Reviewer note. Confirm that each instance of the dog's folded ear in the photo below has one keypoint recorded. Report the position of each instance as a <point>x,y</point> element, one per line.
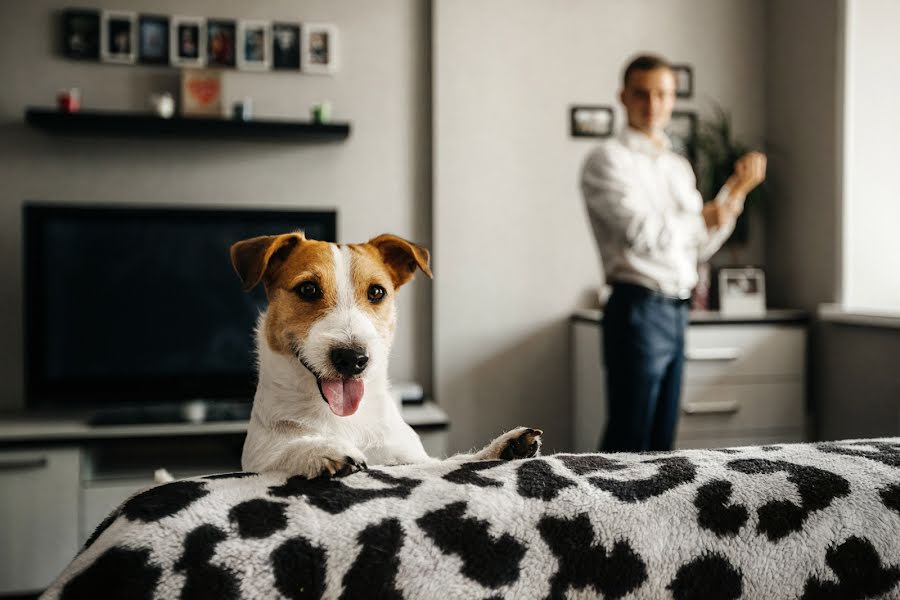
<point>401,257</point>
<point>255,257</point>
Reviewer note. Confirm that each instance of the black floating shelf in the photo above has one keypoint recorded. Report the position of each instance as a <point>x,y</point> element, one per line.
<point>145,124</point>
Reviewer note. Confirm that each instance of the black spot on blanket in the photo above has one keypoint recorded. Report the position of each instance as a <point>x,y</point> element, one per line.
<point>726,450</point>
<point>164,500</point>
<point>859,571</point>
<point>466,473</point>
<point>706,577</point>
<point>714,512</point>
<point>237,475</point>
<point>258,518</point>
<point>817,488</point>
<point>770,448</point>
<point>583,563</point>
<point>373,573</point>
<point>582,464</point>
<point>535,479</point>
<point>334,496</point>
<point>890,495</point>
<point>117,573</point>
<point>299,569</point>
<point>203,579</point>
<point>489,560</point>
<point>884,452</point>
<point>673,472</point>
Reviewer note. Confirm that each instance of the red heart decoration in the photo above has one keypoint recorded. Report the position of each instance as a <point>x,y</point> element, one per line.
<point>203,90</point>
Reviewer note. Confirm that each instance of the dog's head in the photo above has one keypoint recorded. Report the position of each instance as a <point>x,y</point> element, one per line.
<point>331,306</point>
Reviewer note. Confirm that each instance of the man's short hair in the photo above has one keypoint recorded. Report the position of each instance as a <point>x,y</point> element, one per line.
<point>644,62</point>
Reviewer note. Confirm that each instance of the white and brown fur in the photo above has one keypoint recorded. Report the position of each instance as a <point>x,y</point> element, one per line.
<point>292,428</point>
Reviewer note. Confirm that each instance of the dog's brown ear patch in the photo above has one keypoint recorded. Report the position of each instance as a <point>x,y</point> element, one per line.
<point>253,258</point>
<point>401,257</point>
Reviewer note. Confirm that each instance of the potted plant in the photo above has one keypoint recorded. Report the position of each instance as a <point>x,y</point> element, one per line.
<point>717,151</point>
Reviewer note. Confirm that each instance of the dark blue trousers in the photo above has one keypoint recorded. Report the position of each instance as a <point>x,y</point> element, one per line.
<point>643,351</point>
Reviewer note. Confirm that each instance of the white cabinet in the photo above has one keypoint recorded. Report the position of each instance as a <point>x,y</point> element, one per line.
<point>38,516</point>
<point>744,381</point>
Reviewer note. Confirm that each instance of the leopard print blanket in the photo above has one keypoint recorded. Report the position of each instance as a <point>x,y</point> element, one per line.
<point>792,521</point>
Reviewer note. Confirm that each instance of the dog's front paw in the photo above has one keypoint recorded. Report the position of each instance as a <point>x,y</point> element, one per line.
<point>327,462</point>
<point>521,442</point>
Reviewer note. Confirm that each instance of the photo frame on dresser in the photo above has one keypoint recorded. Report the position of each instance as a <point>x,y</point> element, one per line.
<point>742,291</point>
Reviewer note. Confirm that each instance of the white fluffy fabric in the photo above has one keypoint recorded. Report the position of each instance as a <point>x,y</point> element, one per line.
<point>789,521</point>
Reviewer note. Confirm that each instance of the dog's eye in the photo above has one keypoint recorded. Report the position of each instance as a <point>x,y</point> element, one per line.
<point>376,293</point>
<point>308,290</point>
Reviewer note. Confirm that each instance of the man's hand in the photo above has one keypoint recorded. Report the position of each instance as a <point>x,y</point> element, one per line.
<point>749,172</point>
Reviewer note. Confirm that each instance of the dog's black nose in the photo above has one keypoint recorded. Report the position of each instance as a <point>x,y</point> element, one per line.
<point>349,361</point>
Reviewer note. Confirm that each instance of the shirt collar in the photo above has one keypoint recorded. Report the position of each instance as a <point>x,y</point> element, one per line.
<point>641,142</point>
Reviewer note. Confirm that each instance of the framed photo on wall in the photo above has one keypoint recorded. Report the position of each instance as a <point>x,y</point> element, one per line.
<point>682,131</point>
<point>153,40</point>
<point>319,49</point>
<point>118,36</point>
<point>187,42</point>
<point>81,34</point>
<point>254,45</point>
<point>286,46</point>
<point>221,36</point>
<point>684,81</point>
<point>591,121</point>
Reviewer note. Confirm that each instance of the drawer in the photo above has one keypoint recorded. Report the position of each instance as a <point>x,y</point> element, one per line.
<point>740,352</point>
<point>722,410</point>
<point>38,516</point>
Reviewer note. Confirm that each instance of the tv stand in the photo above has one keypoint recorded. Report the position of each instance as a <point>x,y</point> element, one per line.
<point>192,411</point>
<point>59,477</point>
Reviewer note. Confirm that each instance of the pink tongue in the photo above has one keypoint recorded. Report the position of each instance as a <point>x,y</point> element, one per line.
<point>343,395</point>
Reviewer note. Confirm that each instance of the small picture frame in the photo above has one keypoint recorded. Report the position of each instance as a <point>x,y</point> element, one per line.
<point>684,81</point>
<point>254,45</point>
<point>286,46</point>
<point>319,49</point>
<point>118,36</point>
<point>742,291</point>
<point>591,121</point>
<point>153,40</point>
<point>201,93</point>
<point>81,34</point>
<point>682,132</point>
<point>187,42</point>
<point>221,42</point>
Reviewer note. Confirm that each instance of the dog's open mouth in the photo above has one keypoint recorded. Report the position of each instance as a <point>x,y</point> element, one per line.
<point>343,395</point>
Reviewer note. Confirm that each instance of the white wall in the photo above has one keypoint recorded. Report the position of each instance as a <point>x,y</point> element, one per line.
<point>514,254</point>
<point>378,179</point>
<point>871,211</point>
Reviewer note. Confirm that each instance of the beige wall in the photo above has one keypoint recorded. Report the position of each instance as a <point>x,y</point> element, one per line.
<point>378,179</point>
<point>513,249</point>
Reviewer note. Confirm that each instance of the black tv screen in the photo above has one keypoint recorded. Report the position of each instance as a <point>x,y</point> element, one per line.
<point>128,305</point>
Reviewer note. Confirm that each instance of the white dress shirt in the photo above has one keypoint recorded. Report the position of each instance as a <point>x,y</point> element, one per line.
<point>644,207</point>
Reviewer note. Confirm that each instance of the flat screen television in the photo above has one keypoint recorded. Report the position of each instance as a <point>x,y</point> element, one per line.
<point>136,305</point>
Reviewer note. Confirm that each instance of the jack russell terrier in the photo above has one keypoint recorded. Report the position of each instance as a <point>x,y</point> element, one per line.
<point>323,404</point>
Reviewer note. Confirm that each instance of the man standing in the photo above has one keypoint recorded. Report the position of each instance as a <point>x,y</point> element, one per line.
<point>652,229</point>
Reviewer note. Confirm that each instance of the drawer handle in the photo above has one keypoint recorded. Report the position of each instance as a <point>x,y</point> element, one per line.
<point>712,408</point>
<point>23,464</point>
<point>712,354</point>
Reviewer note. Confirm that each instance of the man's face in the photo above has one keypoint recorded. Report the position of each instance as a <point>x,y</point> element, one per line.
<point>648,97</point>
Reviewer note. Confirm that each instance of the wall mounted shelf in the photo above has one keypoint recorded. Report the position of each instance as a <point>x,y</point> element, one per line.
<point>146,124</point>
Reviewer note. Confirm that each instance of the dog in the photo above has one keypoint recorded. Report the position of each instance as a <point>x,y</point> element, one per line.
<point>323,405</point>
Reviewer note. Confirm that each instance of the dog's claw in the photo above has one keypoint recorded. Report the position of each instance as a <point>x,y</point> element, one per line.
<point>526,445</point>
